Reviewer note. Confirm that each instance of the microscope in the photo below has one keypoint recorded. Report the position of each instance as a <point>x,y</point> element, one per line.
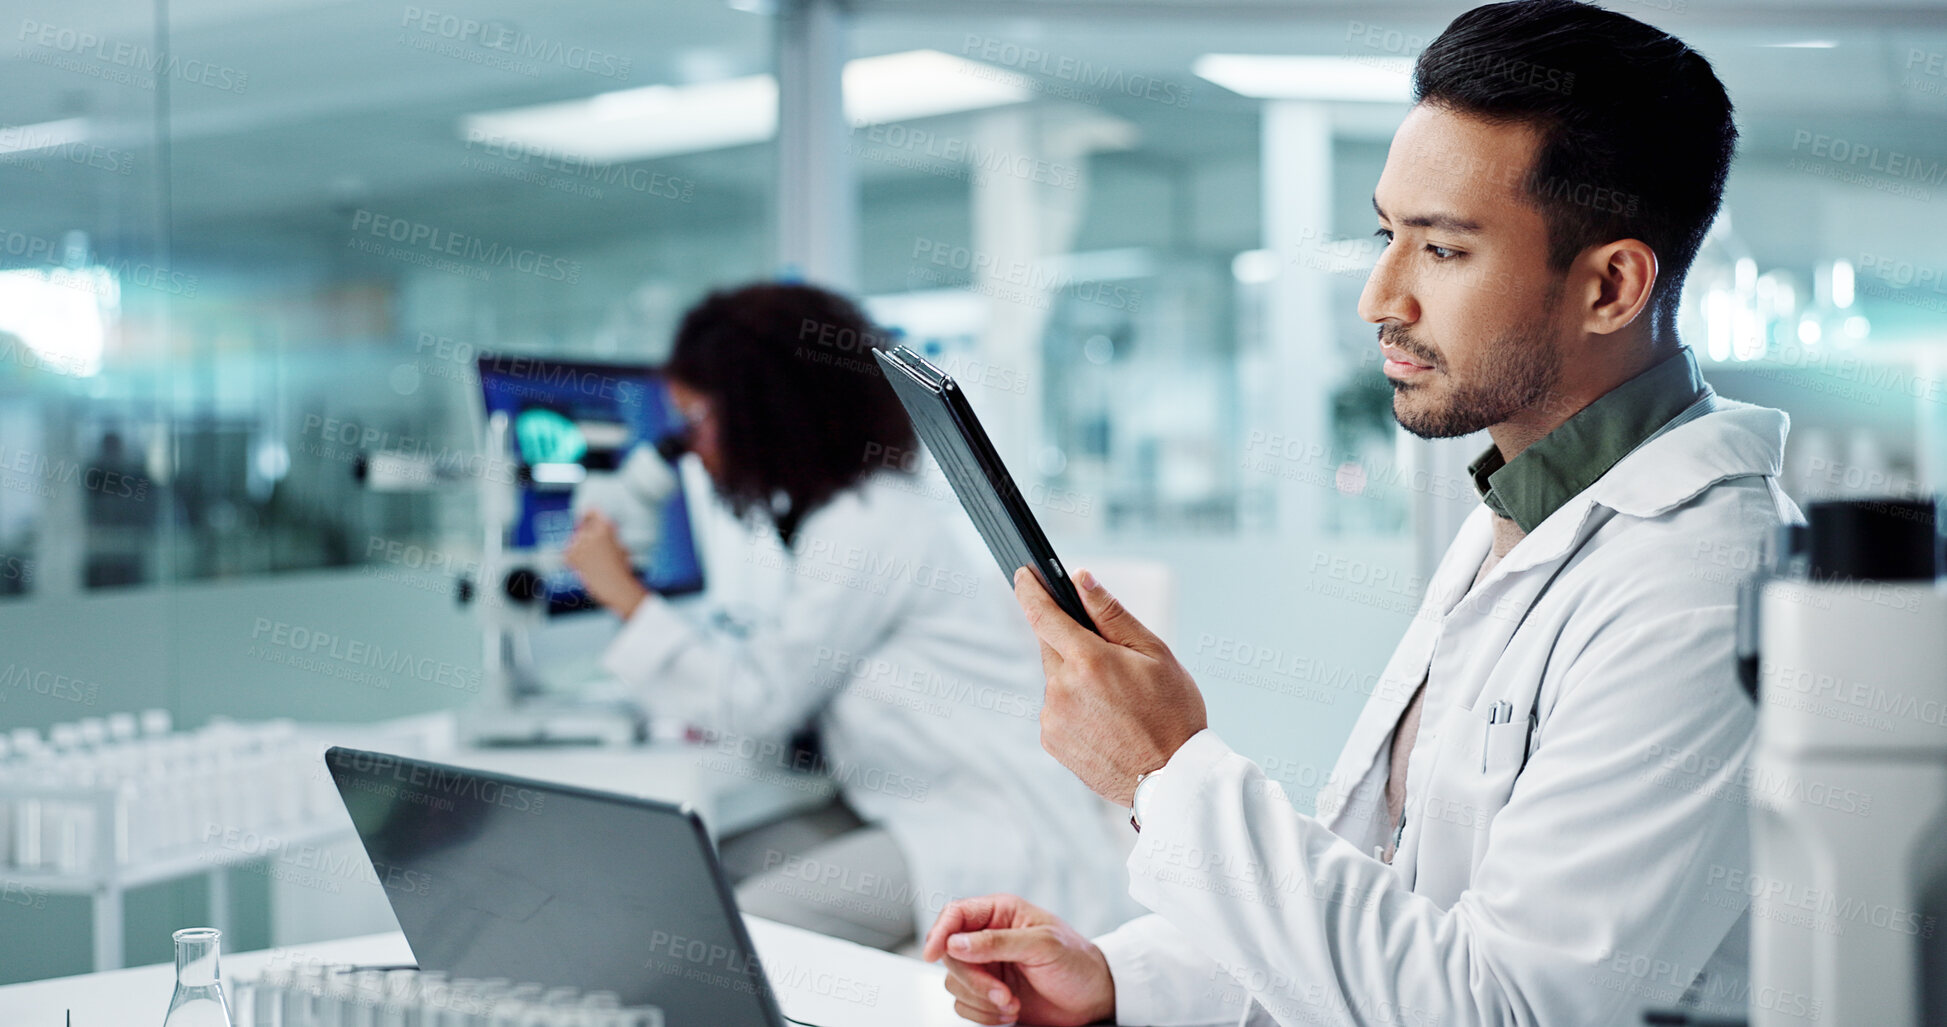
<point>562,438</point>
<point>1844,647</point>
<point>521,588</point>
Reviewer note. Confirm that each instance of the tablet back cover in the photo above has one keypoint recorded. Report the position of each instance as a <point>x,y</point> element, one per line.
<point>946,423</point>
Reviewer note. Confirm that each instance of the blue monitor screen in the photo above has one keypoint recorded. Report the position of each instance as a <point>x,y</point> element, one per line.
<point>568,414</point>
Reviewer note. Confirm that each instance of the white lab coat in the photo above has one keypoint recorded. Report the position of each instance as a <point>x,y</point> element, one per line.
<point>892,626</point>
<point>1605,877</point>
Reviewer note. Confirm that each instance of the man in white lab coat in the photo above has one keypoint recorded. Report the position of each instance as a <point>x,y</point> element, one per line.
<point>1539,816</point>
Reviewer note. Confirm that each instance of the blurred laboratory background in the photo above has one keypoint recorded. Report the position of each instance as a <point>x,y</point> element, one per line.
<point>250,251</point>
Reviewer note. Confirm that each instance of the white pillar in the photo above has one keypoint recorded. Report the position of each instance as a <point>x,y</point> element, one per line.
<point>1008,234</point>
<point>1297,174</point>
<point>1930,451</point>
<point>61,557</point>
<point>817,192</point>
<point>1023,232</point>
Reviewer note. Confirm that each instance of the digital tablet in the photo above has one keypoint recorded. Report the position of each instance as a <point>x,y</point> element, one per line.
<point>945,421</point>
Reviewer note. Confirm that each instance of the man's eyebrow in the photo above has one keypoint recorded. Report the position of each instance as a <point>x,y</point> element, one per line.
<point>1440,222</point>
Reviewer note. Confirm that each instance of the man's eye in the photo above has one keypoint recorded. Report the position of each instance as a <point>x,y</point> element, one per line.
<point>1384,233</point>
<point>1441,252</point>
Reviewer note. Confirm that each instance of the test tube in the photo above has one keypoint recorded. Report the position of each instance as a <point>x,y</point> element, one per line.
<point>469,1005</point>
<point>492,992</point>
<point>267,998</point>
<point>599,1009</point>
<point>304,1000</point>
<point>430,996</point>
<point>522,1004</point>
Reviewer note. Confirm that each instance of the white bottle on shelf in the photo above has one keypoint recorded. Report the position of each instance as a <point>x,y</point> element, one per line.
<point>31,770</point>
<point>7,771</point>
<point>155,723</point>
<point>68,831</point>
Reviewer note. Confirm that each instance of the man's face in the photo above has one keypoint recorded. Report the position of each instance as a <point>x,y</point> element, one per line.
<point>1466,305</point>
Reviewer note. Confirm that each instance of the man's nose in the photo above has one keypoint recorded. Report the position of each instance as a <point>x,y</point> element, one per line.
<point>1387,296</point>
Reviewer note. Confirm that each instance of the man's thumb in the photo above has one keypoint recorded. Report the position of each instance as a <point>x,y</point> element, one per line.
<point>1112,618</point>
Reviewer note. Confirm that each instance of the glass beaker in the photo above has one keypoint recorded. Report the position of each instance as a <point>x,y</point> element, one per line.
<point>199,1000</point>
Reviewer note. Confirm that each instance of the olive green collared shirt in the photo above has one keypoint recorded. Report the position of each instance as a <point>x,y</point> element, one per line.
<point>1569,459</point>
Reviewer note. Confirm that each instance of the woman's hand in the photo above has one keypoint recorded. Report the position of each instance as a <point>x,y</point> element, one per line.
<point>597,555</point>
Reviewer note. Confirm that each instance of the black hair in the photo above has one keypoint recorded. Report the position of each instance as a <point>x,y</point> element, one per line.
<point>1635,129</point>
<point>802,408</point>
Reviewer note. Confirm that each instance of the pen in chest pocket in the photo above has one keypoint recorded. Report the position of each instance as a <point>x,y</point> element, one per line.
<point>1500,713</point>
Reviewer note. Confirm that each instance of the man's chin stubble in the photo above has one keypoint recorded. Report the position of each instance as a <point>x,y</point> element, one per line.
<point>1415,424</point>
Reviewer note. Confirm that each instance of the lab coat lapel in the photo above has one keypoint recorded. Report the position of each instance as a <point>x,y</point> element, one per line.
<point>1487,617</point>
<point>1404,671</point>
<point>1474,638</point>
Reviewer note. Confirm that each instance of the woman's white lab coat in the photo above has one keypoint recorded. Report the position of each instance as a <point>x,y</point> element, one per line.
<point>1603,872</point>
<point>890,625</point>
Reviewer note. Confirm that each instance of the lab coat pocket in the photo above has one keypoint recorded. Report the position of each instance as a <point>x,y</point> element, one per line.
<point>1503,748</point>
<point>1458,814</point>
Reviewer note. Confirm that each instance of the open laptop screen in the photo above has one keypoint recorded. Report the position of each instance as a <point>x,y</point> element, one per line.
<point>497,876</point>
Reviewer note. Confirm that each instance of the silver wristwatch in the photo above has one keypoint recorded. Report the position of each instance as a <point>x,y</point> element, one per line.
<point>1136,799</point>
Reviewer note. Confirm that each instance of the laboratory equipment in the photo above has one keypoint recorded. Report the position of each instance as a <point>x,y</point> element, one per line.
<point>97,808</point>
<point>1848,785</point>
<point>306,993</point>
<point>199,1000</point>
<point>562,439</point>
<point>96,794</point>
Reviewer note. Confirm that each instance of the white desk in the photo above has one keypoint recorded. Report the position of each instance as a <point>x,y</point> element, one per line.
<point>895,991</point>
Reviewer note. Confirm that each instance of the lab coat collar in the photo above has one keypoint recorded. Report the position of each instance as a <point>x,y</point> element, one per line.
<point>1713,441</point>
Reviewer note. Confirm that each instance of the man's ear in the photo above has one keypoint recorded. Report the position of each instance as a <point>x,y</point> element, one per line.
<point>1619,277</point>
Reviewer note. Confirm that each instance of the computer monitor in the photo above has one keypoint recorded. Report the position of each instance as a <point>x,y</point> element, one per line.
<point>568,419</point>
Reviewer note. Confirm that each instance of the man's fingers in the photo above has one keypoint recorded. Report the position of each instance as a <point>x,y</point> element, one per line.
<point>978,988</point>
<point>959,915</point>
<point>976,982</point>
<point>967,1012</point>
<point>1049,623</point>
<point>1013,945</point>
<point>1114,620</point>
<point>1050,660</point>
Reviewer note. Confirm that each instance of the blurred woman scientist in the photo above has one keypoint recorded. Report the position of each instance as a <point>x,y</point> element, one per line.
<point>892,634</point>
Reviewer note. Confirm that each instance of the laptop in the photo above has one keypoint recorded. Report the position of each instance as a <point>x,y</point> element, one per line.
<point>499,876</point>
